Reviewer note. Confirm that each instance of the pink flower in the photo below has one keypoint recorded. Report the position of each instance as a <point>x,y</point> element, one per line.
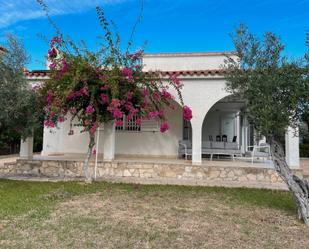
<point>103,98</point>
<point>94,152</point>
<point>164,127</point>
<point>93,128</point>
<point>49,123</point>
<point>127,72</point>
<point>136,55</point>
<point>138,121</point>
<point>118,123</point>
<point>52,53</point>
<point>115,103</point>
<point>117,113</point>
<point>89,109</point>
<point>65,66</point>
<point>166,94</point>
<point>152,115</point>
<point>50,97</point>
<point>84,91</point>
<point>156,96</point>
<point>175,80</point>
<point>187,113</point>
<point>52,114</point>
<point>61,119</point>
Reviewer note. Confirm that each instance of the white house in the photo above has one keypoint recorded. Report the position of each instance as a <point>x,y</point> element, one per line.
<point>215,113</point>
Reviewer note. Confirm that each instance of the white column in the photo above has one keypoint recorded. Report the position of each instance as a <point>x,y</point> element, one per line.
<point>26,148</point>
<point>196,141</point>
<point>109,141</point>
<point>292,147</point>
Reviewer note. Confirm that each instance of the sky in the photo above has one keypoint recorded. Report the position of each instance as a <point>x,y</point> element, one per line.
<point>166,25</point>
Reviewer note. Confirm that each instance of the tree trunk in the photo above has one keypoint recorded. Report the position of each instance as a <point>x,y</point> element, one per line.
<point>87,159</point>
<point>298,187</point>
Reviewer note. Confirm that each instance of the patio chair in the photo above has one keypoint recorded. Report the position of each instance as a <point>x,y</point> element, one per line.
<point>218,138</point>
<point>234,139</point>
<point>260,151</point>
<point>224,138</point>
<point>185,148</point>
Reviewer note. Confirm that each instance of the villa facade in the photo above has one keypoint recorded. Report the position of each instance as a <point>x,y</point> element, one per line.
<point>216,113</point>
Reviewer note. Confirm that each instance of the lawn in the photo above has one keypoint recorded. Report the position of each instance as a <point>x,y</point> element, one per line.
<point>105,215</point>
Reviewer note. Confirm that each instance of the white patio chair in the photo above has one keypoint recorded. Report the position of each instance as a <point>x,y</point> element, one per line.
<point>260,151</point>
<point>185,148</point>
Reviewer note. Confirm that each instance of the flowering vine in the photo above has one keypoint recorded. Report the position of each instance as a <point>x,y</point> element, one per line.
<point>94,88</point>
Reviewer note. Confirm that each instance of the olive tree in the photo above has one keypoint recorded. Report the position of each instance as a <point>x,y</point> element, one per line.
<point>18,109</point>
<point>276,91</point>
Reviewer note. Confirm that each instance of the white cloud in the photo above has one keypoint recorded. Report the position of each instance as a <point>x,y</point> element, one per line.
<point>12,12</point>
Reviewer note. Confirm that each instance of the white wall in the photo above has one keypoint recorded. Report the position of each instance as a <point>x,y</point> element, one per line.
<point>127,142</point>
<point>184,61</point>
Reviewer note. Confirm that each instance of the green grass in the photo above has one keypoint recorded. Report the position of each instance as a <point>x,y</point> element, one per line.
<point>20,197</point>
<point>106,215</point>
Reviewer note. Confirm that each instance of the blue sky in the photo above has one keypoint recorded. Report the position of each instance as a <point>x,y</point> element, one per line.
<point>167,25</point>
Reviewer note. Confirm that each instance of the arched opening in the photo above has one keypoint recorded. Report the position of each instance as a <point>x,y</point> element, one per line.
<point>225,129</point>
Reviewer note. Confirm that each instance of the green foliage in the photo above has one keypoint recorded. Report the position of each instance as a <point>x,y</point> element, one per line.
<point>18,110</point>
<point>275,88</point>
<point>304,150</point>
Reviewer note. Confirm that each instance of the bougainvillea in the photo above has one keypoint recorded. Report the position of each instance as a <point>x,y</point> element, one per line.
<point>94,88</point>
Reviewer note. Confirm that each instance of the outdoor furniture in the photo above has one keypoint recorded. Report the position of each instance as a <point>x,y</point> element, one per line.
<point>260,151</point>
<point>234,139</point>
<point>224,138</point>
<point>218,138</point>
<point>210,138</point>
<point>185,148</point>
<point>209,148</point>
<point>220,148</point>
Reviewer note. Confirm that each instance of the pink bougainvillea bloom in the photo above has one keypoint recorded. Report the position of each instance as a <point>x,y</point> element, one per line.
<point>187,113</point>
<point>65,66</point>
<point>164,127</point>
<point>117,113</point>
<point>94,152</point>
<point>49,123</point>
<point>157,97</point>
<point>89,109</point>
<point>87,122</point>
<point>118,123</point>
<point>152,115</point>
<point>166,94</point>
<point>176,81</point>
<point>138,121</point>
<point>115,103</point>
<point>50,97</point>
<point>127,72</point>
<point>103,98</point>
<point>61,119</point>
<point>84,91</point>
<point>93,128</point>
<point>52,114</point>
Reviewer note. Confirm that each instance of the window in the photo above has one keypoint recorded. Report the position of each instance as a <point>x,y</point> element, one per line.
<point>130,125</point>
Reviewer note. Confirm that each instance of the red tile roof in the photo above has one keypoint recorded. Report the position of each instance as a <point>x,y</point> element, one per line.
<point>211,72</point>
